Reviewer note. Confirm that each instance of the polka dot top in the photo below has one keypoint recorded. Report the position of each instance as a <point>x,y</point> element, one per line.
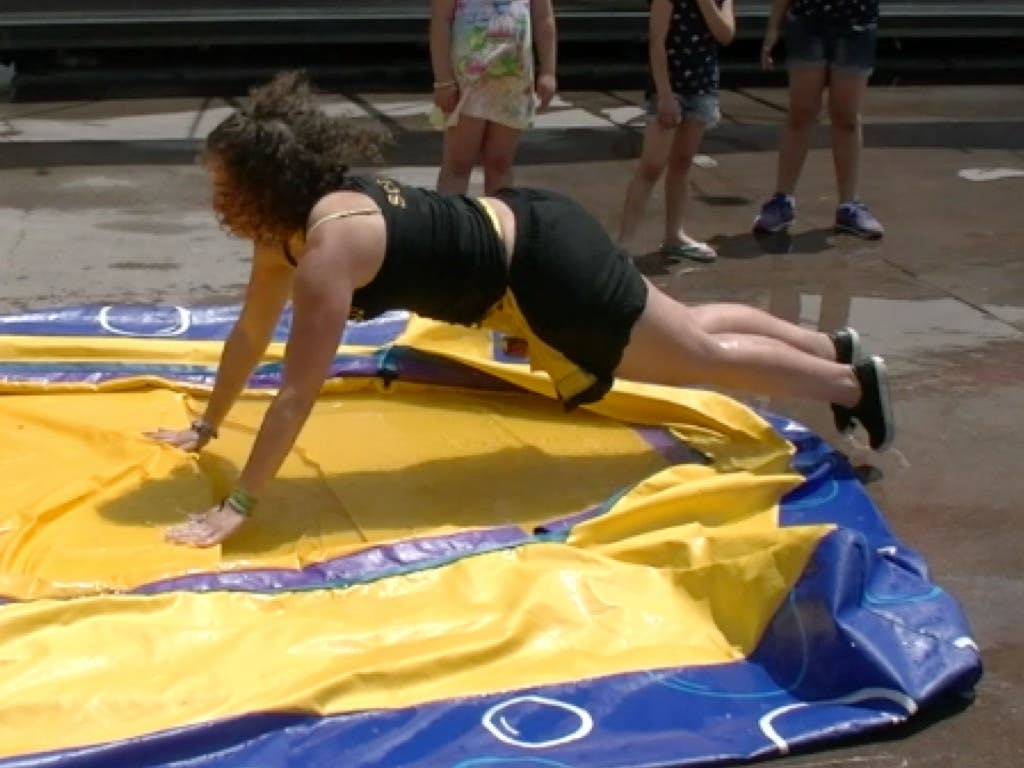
<point>692,52</point>
<point>841,11</point>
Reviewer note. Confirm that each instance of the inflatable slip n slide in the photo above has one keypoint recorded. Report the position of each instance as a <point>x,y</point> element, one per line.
<point>449,571</point>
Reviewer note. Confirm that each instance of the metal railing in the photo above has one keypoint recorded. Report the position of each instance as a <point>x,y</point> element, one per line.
<point>40,24</point>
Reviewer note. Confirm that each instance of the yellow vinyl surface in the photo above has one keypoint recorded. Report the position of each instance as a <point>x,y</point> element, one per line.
<point>686,566</point>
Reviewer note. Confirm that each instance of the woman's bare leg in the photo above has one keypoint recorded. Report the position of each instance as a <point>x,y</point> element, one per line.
<point>743,319</point>
<point>653,157</point>
<point>669,346</point>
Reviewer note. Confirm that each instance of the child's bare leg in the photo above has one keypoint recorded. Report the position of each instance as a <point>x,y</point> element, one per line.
<point>806,86</point>
<point>498,155</point>
<point>461,149</point>
<point>685,143</point>
<point>845,96</point>
<point>653,157</point>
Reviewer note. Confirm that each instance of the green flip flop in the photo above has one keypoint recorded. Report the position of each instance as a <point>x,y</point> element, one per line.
<point>695,251</point>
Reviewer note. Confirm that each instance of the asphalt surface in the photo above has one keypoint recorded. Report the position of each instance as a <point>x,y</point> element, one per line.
<point>102,201</point>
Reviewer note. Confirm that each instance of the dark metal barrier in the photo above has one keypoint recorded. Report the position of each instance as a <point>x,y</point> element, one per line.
<point>108,48</point>
<point>49,24</point>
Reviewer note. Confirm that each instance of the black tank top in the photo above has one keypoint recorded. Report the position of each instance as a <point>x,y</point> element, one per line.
<point>443,259</point>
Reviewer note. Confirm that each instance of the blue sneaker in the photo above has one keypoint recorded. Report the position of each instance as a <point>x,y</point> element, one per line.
<point>777,214</point>
<point>856,219</point>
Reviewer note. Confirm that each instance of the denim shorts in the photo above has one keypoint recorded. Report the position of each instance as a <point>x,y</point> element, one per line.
<point>702,107</point>
<point>812,43</point>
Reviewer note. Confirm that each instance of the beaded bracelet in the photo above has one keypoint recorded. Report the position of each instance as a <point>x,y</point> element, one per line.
<point>241,502</point>
<point>444,84</point>
<point>205,429</point>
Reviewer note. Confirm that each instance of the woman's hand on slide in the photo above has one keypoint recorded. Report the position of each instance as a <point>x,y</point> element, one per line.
<point>186,439</point>
<point>206,529</point>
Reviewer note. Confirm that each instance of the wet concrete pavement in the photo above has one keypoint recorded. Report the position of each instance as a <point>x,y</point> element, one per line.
<point>102,202</point>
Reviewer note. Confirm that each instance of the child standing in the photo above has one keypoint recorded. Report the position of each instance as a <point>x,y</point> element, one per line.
<point>830,44</point>
<point>482,52</point>
<point>682,104</point>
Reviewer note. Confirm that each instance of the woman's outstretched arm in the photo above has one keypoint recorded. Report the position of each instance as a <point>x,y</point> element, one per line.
<point>322,299</point>
<point>270,283</point>
<point>338,258</point>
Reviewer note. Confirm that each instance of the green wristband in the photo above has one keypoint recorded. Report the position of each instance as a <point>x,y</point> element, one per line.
<point>241,502</point>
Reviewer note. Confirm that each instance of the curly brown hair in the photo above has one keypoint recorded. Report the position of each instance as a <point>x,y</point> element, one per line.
<point>278,155</point>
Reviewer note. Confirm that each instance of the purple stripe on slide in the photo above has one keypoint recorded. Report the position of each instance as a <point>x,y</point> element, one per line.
<point>563,525</point>
<point>353,367</point>
<point>672,449</point>
<point>267,377</point>
<point>424,369</point>
<point>99,377</point>
<point>364,566</point>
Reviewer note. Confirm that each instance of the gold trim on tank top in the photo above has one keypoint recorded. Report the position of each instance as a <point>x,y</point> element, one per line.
<point>341,215</point>
<point>493,216</point>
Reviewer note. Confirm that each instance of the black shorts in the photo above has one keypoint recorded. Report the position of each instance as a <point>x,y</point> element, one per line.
<point>577,290</point>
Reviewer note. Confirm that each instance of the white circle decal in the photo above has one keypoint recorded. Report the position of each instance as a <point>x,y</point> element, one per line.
<point>495,721</point>
<point>178,328</point>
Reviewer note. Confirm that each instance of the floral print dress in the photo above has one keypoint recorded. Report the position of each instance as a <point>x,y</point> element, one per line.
<point>492,55</point>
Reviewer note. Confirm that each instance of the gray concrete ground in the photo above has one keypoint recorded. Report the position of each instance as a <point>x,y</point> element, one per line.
<point>103,202</point>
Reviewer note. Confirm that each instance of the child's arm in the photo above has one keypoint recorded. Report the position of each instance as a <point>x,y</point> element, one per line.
<point>657,32</point>
<point>720,18</point>
<point>545,41</point>
<point>446,89</point>
<point>771,31</point>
